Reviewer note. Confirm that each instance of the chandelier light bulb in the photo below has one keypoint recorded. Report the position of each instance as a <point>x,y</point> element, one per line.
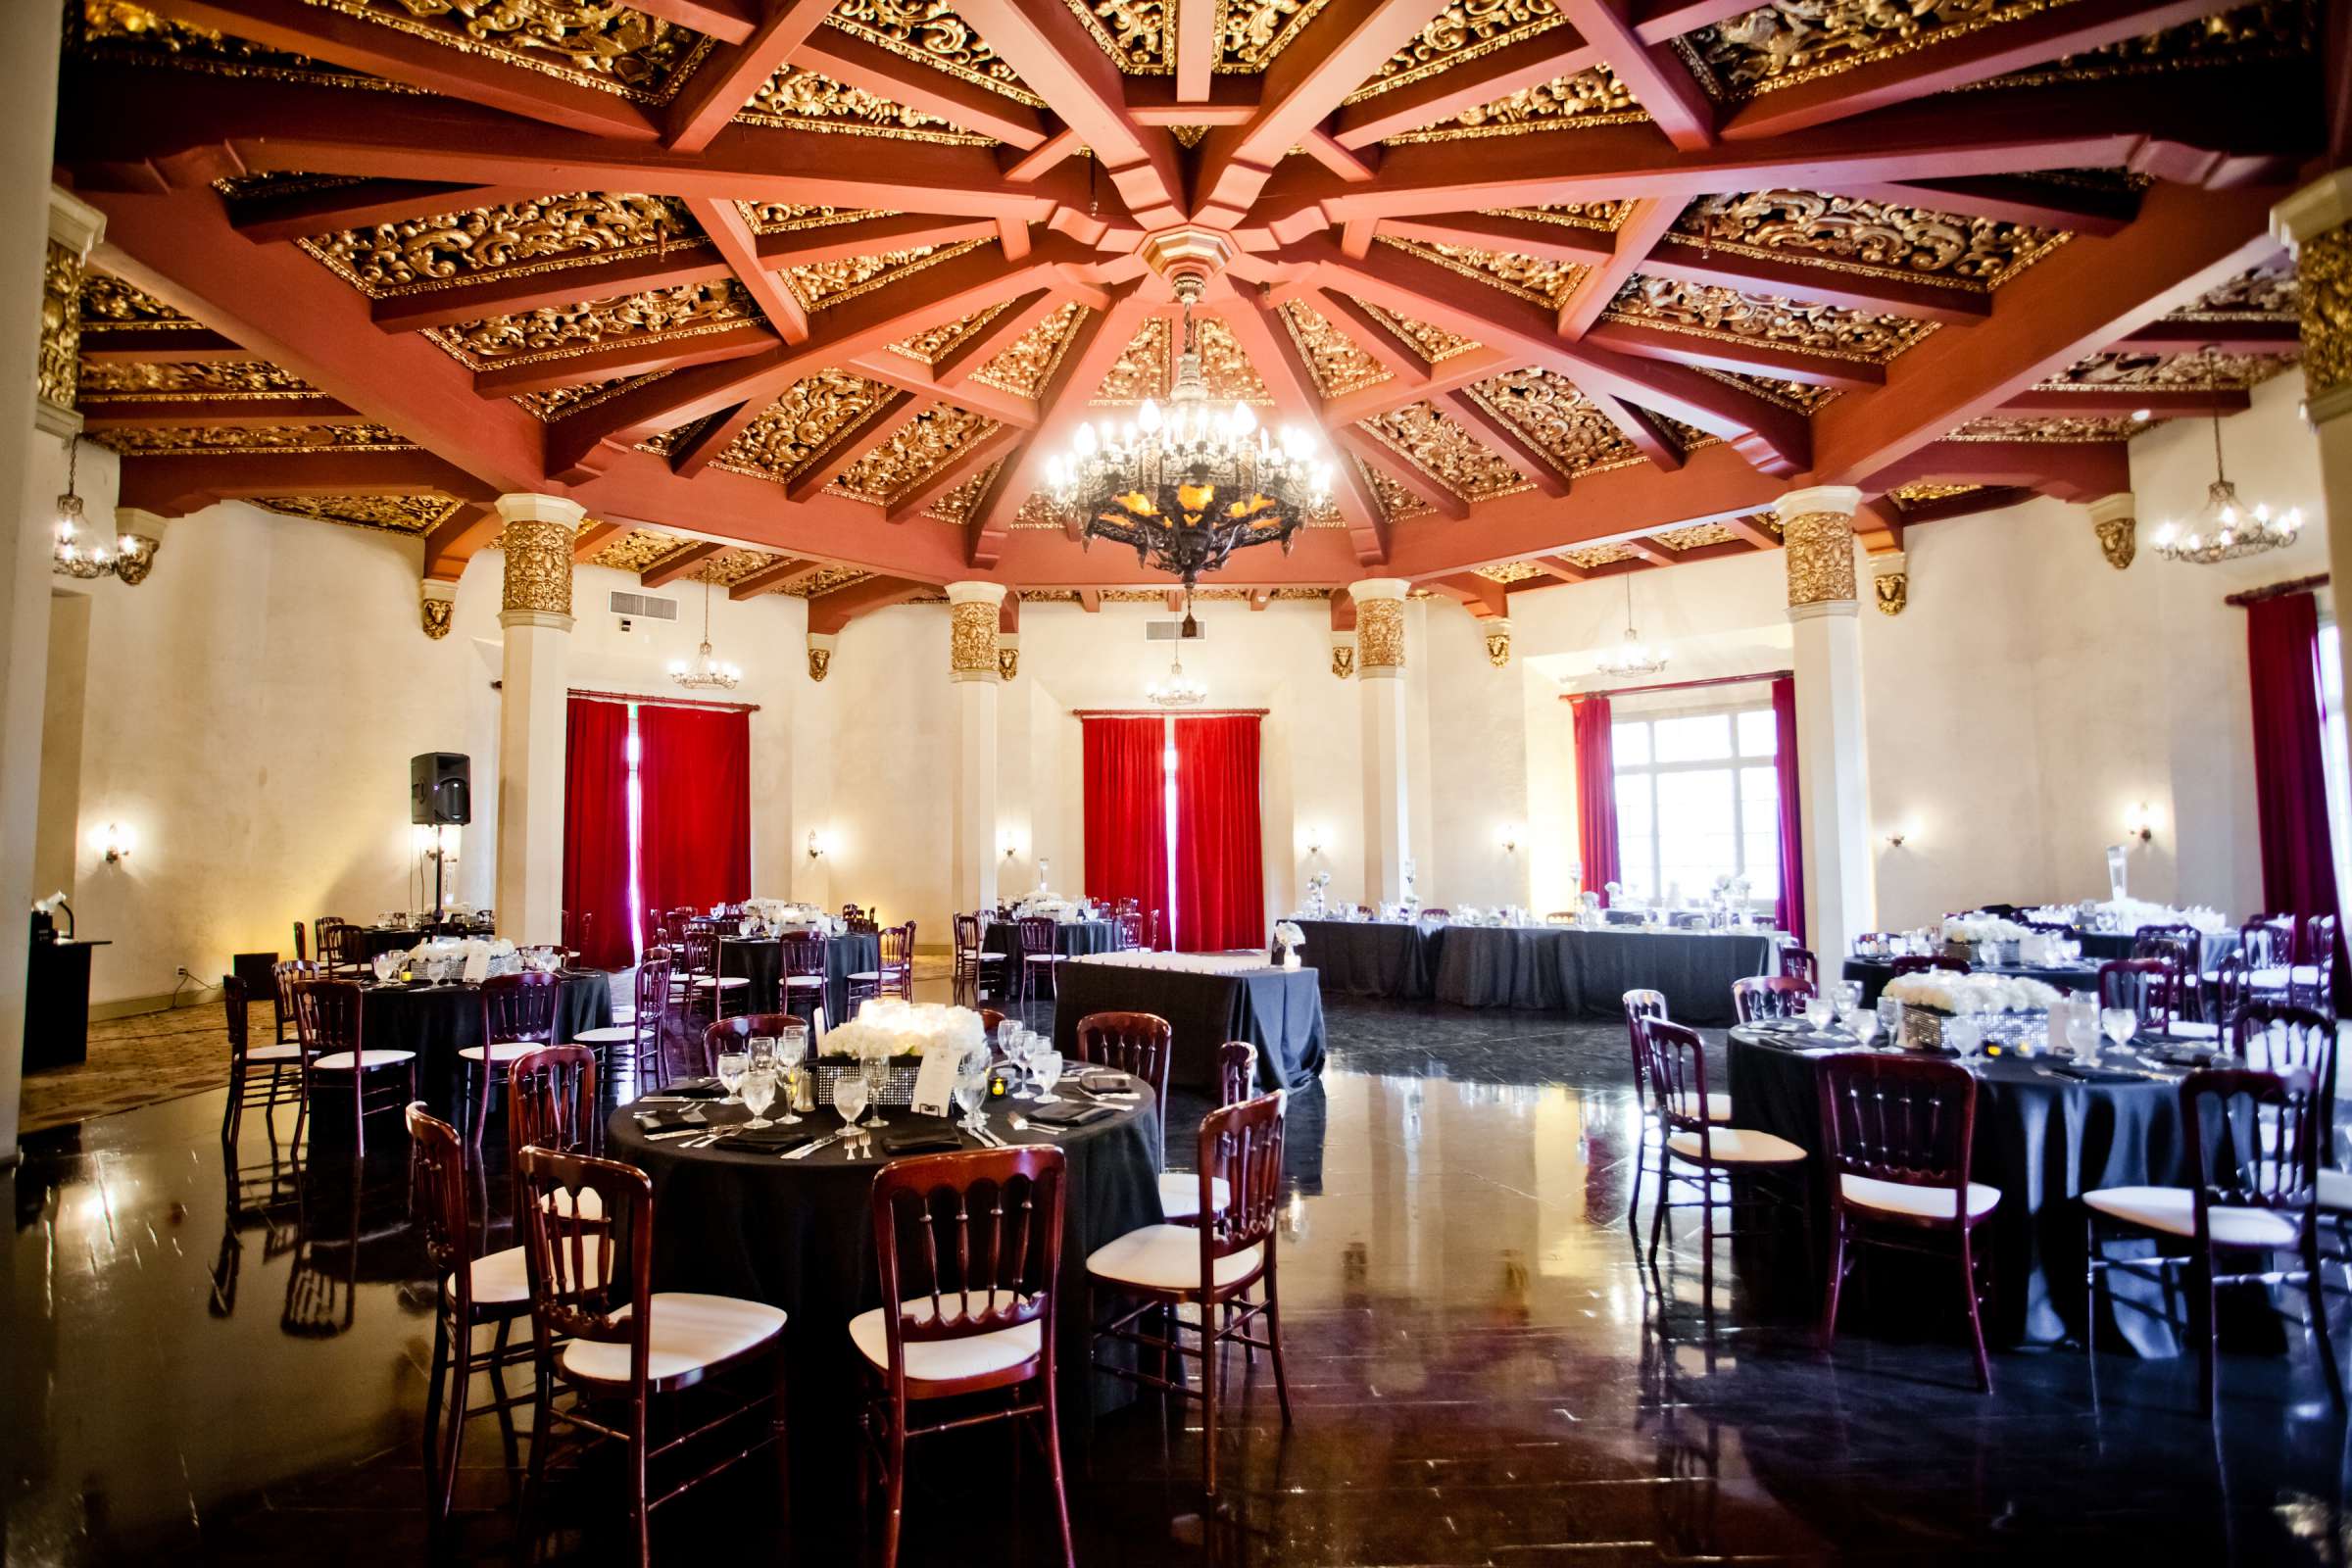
<point>1146,417</point>
<point>1086,440</point>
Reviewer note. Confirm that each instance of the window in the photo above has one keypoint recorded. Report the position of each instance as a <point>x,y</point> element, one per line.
<point>1697,798</point>
<point>2332,748</point>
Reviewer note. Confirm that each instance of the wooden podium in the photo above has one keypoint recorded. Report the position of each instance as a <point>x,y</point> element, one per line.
<point>57,1004</point>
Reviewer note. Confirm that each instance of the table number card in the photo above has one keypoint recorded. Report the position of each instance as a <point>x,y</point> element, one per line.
<point>478,966</point>
<point>934,1082</point>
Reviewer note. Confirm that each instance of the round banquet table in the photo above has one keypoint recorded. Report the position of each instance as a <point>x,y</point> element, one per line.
<point>760,960</point>
<point>1075,939</point>
<point>2105,944</point>
<point>437,1022</point>
<point>1873,973</point>
<point>2042,1138</point>
<point>799,1234</point>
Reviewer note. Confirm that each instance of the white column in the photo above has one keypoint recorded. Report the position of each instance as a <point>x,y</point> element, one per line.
<point>533,697</point>
<point>1380,671</point>
<point>2315,224</point>
<point>1833,776</point>
<point>973,609</point>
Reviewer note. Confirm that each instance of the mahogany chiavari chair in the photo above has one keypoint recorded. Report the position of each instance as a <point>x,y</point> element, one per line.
<point>636,1047</point>
<point>2229,989</point>
<point>1130,930</point>
<point>2254,1148</point>
<point>730,1034</point>
<point>1896,1137</point>
<point>1642,1006</point>
<point>2268,944</point>
<point>2183,947</point>
<point>301,947</point>
<point>1770,996</point>
<point>322,938</point>
<point>551,1104</point>
<point>1799,964</point>
<point>706,989</point>
<point>488,1292</point>
<point>354,949</point>
<point>336,1065</point>
<point>1180,1190</point>
<point>893,975</point>
<point>972,977</point>
<point>518,1016</point>
<point>800,965</point>
<point>2275,1038</point>
<point>2310,979</point>
<point>1699,1152</point>
<point>247,1087</point>
<point>1141,1044</point>
<point>2149,986</point>
<point>286,975</point>
<point>1041,954</point>
<point>969,1246</point>
<point>603,1338</point>
<point>1922,963</point>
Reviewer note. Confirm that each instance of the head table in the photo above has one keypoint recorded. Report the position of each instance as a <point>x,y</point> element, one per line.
<point>1208,999</point>
<point>799,1234</point>
<point>2043,1139</point>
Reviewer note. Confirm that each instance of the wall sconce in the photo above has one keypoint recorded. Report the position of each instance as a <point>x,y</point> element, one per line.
<point>114,842</point>
<point>2139,822</point>
<point>1314,841</point>
<point>1011,847</point>
<point>816,844</point>
<point>1894,840</point>
<point>1509,836</point>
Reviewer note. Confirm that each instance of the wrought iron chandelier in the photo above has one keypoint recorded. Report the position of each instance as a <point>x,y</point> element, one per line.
<point>705,674</point>
<point>1179,690</point>
<point>1632,657</point>
<point>1188,487</point>
<point>2224,528</point>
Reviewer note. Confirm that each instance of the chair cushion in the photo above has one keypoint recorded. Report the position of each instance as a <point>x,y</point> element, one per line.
<point>616,1034</point>
<point>1719,1106</point>
<point>688,1332</point>
<point>342,1061</point>
<point>2335,1189</point>
<point>2174,1211</point>
<point>255,1054</point>
<point>804,981</point>
<point>1734,1145</point>
<point>1180,1193</point>
<point>501,1279</point>
<point>509,1051</point>
<point>1906,1198</point>
<point>722,982</point>
<point>940,1360</point>
<point>1166,1257</point>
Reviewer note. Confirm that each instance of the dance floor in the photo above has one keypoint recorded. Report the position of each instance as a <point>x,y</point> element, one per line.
<point>1480,1376</point>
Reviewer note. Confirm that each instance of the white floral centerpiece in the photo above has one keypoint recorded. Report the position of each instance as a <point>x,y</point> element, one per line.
<point>1043,905</point>
<point>1288,938</point>
<point>889,1027</point>
<point>782,917</point>
<point>1318,889</point>
<point>2129,914</point>
<point>1932,998</point>
<point>446,957</point>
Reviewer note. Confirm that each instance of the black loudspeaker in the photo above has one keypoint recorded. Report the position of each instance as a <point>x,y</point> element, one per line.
<point>441,789</point>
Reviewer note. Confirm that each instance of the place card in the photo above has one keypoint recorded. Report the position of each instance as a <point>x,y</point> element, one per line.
<point>934,1083</point>
<point>477,964</point>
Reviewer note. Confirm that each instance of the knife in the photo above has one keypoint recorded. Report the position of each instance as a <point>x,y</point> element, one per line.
<point>806,1149</point>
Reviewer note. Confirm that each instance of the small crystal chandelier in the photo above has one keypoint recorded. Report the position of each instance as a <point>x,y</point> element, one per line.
<point>1632,657</point>
<point>705,674</point>
<point>1179,690</point>
<point>2226,528</point>
<point>70,556</point>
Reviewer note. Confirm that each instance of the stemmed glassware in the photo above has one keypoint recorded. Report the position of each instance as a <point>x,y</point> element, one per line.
<point>1024,1046</point>
<point>849,1099</point>
<point>972,1086</point>
<point>732,1064</point>
<point>1846,996</point>
<point>874,1067</point>
<point>792,1049</point>
<point>2119,1024</point>
<point>1046,1063</point>
<point>1819,1011</point>
<point>760,1092</point>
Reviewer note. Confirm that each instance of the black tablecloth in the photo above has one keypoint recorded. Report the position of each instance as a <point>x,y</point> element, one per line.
<point>2043,1140</point>
<point>1369,958</point>
<point>1580,971</point>
<point>2100,945</point>
<point>438,1022</point>
<point>1074,940</point>
<point>1278,1010</point>
<point>799,1234</point>
<point>760,960</point>
<point>388,939</point>
<point>1873,973</point>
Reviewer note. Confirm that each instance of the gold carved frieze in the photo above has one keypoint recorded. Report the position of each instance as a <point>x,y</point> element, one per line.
<point>114,29</point>
<point>1460,32</point>
<point>421,255</point>
<point>562,401</point>
<point>1557,419</point>
<point>690,310</point>
<point>794,99</point>
<point>822,285</point>
<point>1252,32</point>
<point>538,567</point>
<point>972,640</point>
<point>1593,96</point>
<point>203,441</point>
<point>1337,362</point>
<point>956,505</point>
<point>2167,372</point>
<point>589,43</point>
<point>2324,270</point>
<point>1786,42</point>
<point>1133,32</point>
<point>930,346</point>
<point>1380,634</point>
<point>1442,450</point>
<point>1706,310</point>
<point>1225,369</point>
<point>1819,550</point>
<point>59,348</point>
<point>1141,370</point>
<point>1433,343</point>
<point>912,452</point>
<point>1879,238</point>
<point>803,424</point>
<point>1027,364</point>
<point>929,32</point>
<point>1531,277</point>
<point>128,380</point>
<point>407,515</point>
<point>2069,428</point>
<point>785,218</point>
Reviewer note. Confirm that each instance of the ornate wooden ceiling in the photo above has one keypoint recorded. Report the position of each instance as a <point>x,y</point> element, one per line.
<point>1570,285</point>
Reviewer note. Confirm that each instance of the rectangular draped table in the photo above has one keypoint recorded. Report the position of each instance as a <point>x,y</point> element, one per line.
<point>1572,969</point>
<point>1369,958</point>
<point>1207,1001</point>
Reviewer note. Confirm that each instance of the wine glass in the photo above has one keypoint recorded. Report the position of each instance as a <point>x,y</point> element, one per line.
<point>1819,1011</point>
<point>1848,995</point>
<point>760,1093</point>
<point>792,1049</point>
<point>849,1097</point>
<point>1024,1050</point>
<point>874,1067</point>
<point>2119,1024</point>
<point>1047,1064</point>
<point>971,1092</point>
<point>732,1064</point>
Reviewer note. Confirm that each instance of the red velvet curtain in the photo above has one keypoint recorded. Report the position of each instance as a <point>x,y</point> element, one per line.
<point>596,917</point>
<point>1127,814</point>
<point>2290,778</point>
<point>1595,794</point>
<point>693,782</point>
<point>1220,875</point>
<point>1791,905</point>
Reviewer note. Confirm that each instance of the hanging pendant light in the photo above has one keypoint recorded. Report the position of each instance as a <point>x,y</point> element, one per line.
<point>2226,528</point>
<point>74,553</point>
<point>705,674</point>
<point>1179,690</point>
<point>1632,657</point>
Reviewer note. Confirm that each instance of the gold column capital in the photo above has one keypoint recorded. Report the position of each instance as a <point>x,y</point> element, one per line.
<point>1379,626</point>
<point>2315,224</point>
<point>974,610</point>
<point>1817,537</point>
<point>75,229</point>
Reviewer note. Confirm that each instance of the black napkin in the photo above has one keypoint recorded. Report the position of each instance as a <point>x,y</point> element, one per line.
<point>2098,1075</point>
<point>921,1136</point>
<point>1106,1081</point>
<point>671,1121</point>
<point>774,1136</point>
<point>697,1089</point>
<point>1070,1113</point>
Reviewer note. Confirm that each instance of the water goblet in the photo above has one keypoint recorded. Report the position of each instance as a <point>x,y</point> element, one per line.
<point>732,1066</point>
<point>971,1092</point>
<point>2119,1024</point>
<point>1819,1011</point>
<point>1865,1026</point>
<point>849,1099</point>
<point>1847,997</point>
<point>760,1093</point>
<point>1962,1035</point>
<point>792,1049</point>
<point>762,1048</point>
<point>1047,1064</point>
<point>1024,1048</point>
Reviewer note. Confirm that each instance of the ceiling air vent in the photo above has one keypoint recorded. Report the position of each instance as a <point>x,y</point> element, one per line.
<point>1169,631</point>
<point>644,607</point>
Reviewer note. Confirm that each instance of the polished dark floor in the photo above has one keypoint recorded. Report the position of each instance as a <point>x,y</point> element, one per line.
<point>204,1362</point>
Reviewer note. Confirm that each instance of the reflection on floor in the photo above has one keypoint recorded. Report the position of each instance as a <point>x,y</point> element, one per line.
<point>227,1358</point>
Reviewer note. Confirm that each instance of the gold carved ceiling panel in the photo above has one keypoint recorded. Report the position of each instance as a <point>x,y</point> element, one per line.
<point>825,581</point>
<point>1433,343</point>
<point>1394,501</point>
<point>803,424</point>
<point>1792,41</point>
<point>1027,364</point>
<point>420,255</point>
<point>234,379</point>
<point>589,43</point>
<point>2259,294</point>
<point>115,30</point>
<point>2168,372</point>
<point>1529,278</point>
<point>661,443</point>
<point>1141,370</point>
<point>784,218</point>
<point>1225,370</point>
<point>1591,556</point>
<point>912,452</point>
<point>408,515</point>
<point>562,401</point>
<point>654,316</point>
<point>1337,362</point>
<point>1919,491</point>
<point>1606,216</point>
<point>1593,96</point>
<point>1696,536</point>
<point>929,32</point>
<point>1802,396</point>
<point>1705,310</point>
<point>1442,450</point>
<point>1133,32</point>
<point>636,550</point>
<point>929,346</point>
<point>1878,238</point>
<point>1037,510</point>
<point>2075,429</point>
<point>822,285</point>
<point>108,302</point>
<point>182,440</point>
<point>2269,30</point>
<point>956,505</point>
<point>794,99</point>
<point>1461,33</point>
<point>1557,419</point>
<point>1511,571</point>
<point>1252,32</point>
